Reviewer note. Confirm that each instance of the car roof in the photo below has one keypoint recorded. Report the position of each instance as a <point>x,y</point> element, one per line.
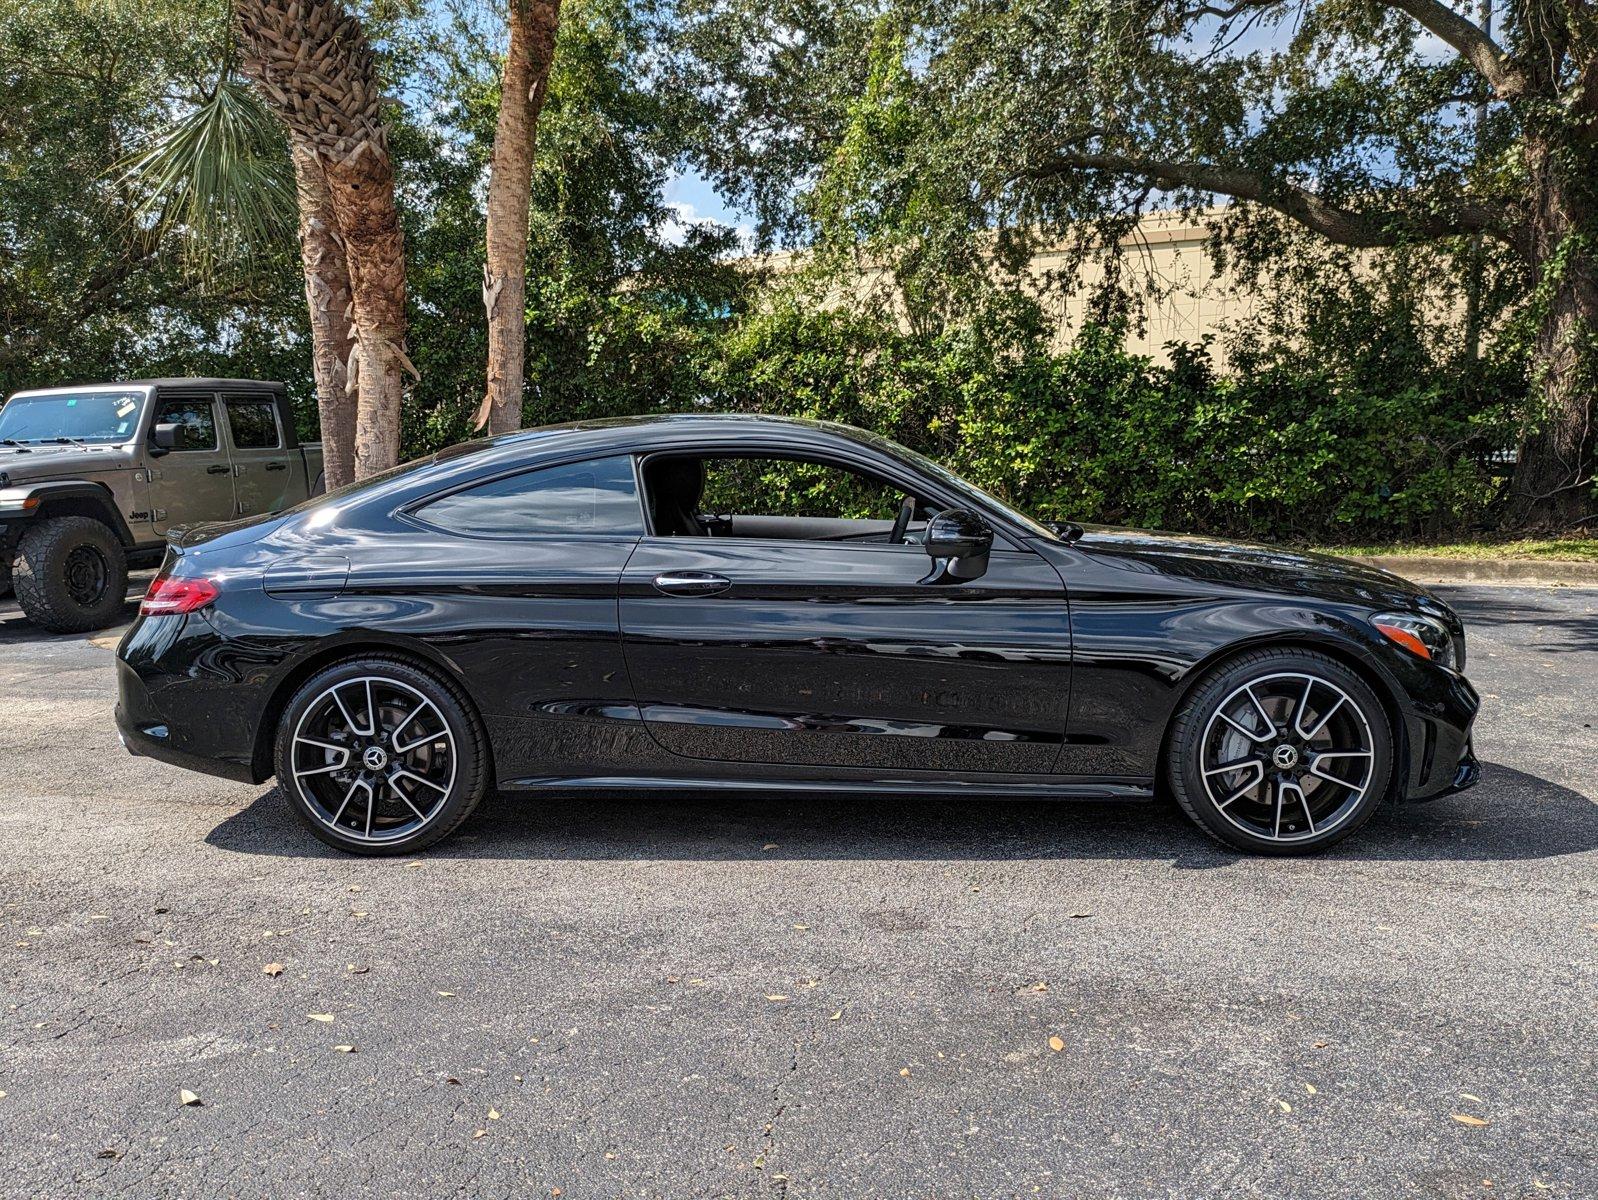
<point>667,427</point>
<point>173,381</point>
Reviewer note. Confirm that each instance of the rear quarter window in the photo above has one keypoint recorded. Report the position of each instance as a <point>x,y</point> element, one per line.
<point>596,496</point>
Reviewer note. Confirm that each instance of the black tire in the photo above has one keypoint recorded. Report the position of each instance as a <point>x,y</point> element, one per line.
<point>1200,731</point>
<point>468,780</point>
<point>71,574</point>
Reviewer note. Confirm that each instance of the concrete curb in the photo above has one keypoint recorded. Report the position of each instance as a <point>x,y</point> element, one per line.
<point>1521,572</point>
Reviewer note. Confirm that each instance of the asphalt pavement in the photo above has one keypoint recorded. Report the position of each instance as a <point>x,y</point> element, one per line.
<point>799,997</point>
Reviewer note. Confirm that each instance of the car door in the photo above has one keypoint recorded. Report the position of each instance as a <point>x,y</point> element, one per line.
<point>263,482</point>
<point>839,654</point>
<point>193,481</point>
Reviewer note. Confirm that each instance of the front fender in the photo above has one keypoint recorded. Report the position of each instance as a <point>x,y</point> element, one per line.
<point>84,497</point>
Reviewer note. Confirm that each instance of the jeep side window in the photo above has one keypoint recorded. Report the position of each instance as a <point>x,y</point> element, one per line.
<point>195,421</point>
<point>253,424</point>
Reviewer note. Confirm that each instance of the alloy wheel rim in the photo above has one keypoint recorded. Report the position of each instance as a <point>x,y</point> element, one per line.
<point>1287,757</point>
<point>373,758</point>
<point>86,575</point>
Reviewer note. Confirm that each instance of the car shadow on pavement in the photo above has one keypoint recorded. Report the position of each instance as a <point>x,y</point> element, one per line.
<point>1511,816</point>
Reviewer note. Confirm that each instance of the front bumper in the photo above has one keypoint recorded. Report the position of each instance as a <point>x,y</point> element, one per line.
<point>1439,748</point>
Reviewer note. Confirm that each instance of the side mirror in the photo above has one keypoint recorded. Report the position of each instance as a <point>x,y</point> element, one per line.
<point>958,541</point>
<point>163,437</point>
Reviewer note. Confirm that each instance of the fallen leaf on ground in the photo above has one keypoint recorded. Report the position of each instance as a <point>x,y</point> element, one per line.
<point>272,969</point>
<point>776,996</point>
<point>1309,1089</point>
<point>344,1049</point>
<point>801,927</point>
<point>769,846</point>
<point>1056,1044</point>
<point>904,1070</point>
<point>493,1114</point>
<point>355,970</point>
<point>834,1017</point>
<point>477,1133</point>
<point>446,994</point>
<point>1472,1099</point>
<point>1284,1106</point>
<point>1076,916</point>
<point>109,1152</point>
<point>1467,1119</point>
<point>188,1098</point>
<point>325,1018</point>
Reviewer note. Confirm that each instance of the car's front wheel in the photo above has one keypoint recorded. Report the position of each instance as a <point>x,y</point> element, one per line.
<point>1280,752</point>
<point>71,574</point>
<point>381,756</point>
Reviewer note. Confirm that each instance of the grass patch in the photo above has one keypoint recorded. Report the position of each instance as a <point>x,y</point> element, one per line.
<point>1565,549</point>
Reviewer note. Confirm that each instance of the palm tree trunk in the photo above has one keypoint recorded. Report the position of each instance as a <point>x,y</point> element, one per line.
<point>312,62</point>
<point>523,86</point>
<point>327,296</point>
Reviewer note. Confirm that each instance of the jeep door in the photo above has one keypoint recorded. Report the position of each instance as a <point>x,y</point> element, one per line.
<point>194,481</point>
<point>263,470</point>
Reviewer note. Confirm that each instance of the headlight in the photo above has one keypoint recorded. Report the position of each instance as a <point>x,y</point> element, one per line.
<point>1421,636</point>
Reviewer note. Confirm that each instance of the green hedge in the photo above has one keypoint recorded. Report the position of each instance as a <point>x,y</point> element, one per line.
<point>1285,449</point>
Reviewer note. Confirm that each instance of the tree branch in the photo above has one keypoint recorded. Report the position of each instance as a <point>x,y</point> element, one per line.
<point>1470,40</point>
<point>1340,225</point>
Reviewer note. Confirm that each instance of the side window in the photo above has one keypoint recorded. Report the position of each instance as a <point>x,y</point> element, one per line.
<point>195,419</point>
<point>781,487</point>
<point>597,496</point>
<point>252,422</point>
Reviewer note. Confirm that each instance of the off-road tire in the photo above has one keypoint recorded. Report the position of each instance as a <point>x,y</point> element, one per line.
<point>1184,766</point>
<point>51,554</point>
<point>473,770</point>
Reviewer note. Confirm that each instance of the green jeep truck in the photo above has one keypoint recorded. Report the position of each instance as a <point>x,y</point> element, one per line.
<point>93,478</point>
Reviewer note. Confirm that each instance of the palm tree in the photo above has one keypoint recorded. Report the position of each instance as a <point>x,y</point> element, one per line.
<point>221,179</point>
<point>312,63</point>
<point>522,89</point>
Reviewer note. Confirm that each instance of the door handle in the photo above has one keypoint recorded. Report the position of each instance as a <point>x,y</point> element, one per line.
<point>217,469</point>
<point>277,466</point>
<point>691,583</point>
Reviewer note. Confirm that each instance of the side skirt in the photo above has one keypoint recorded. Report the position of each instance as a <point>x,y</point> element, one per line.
<point>1075,789</point>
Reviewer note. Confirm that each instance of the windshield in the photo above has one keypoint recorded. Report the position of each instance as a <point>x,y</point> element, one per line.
<point>72,417</point>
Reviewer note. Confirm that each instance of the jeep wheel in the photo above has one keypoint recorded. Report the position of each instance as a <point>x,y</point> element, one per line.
<point>71,574</point>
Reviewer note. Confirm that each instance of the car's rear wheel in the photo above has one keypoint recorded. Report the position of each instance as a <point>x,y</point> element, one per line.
<point>381,756</point>
<point>1280,752</point>
<point>71,574</point>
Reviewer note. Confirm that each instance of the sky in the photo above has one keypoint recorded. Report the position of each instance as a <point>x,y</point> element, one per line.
<point>694,200</point>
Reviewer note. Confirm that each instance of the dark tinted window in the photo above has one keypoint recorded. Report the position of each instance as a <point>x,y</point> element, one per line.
<point>195,421</point>
<point>254,424</point>
<point>597,496</point>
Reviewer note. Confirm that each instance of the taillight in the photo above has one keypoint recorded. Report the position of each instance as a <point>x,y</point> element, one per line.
<point>167,596</point>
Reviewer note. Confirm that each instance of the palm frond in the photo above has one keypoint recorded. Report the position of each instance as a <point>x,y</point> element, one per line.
<point>219,180</point>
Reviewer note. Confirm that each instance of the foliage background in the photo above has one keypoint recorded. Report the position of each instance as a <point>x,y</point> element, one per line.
<point>1346,414</point>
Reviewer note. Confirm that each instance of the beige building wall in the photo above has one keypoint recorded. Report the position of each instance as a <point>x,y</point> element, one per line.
<point>1187,303</point>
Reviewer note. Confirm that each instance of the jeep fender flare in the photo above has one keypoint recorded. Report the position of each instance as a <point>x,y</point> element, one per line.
<point>65,497</point>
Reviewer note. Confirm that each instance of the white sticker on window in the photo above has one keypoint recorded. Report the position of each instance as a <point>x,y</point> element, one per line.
<point>125,408</point>
<point>122,427</point>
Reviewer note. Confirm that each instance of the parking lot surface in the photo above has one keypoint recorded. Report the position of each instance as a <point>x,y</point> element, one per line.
<point>800,997</point>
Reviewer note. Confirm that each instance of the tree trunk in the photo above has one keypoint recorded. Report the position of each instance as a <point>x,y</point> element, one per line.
<point>522,89</point>
<point>1553,481</point>
<point>312,62</point>
<point>363,202</point>
<point>327,296</point>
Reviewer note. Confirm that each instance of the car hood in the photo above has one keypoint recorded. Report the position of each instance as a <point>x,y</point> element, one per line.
<point>26,464</point>
<point>1260,567</point>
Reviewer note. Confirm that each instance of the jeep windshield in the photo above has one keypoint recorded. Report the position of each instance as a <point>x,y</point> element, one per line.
<point>67,417</point>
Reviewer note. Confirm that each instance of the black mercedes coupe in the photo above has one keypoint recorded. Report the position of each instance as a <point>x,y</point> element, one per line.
<point>694,603</point>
